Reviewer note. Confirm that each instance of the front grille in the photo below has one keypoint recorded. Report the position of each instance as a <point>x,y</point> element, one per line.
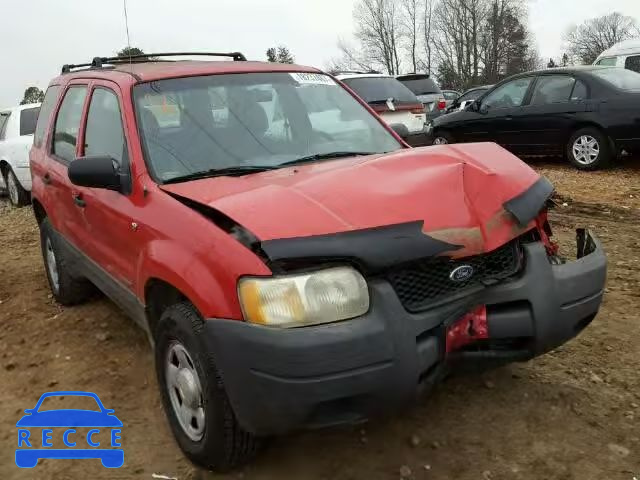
<point>426,282</point>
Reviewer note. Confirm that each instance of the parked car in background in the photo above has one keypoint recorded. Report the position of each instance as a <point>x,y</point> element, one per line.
<point>589,114</point>
<point>625,54</point>
<point>395,103</point>
<point>292,278</point>
<point>427,92</point>
<point>17,126</point>
<point>468,96</point>
<point>450,96</point>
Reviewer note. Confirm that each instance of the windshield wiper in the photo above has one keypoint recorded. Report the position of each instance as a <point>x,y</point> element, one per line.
<point>220,172</point>
<point>324,156</point>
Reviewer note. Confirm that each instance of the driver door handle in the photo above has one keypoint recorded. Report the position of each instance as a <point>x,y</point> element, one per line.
<point>508,117</point>
<point>78,200</point>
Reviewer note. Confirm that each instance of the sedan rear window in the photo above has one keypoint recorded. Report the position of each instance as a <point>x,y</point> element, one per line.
<point>28,120</point>
<point>419,84</point>
<point>380,89</point>
<point>620,78</point>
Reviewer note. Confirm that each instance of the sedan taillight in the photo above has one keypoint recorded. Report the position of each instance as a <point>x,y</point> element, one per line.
<point>442,104</point>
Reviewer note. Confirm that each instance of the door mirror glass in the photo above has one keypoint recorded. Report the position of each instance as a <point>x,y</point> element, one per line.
<point>99,171</point>
<point>481,107</point>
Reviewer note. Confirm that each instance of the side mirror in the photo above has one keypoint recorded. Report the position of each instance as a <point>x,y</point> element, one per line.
<point>98,171</point>
<point>400,129</point>
<point>483,108</point>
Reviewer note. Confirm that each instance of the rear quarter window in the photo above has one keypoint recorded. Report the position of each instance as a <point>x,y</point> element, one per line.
<point>49,102</point>
<point>28,119</point>
<point>632,63</point>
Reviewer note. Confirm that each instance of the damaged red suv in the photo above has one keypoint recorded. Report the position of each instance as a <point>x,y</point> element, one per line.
<point>293,262</point>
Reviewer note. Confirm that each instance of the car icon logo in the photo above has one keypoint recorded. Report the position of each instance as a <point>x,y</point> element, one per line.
<point>462,273</point>
<point>33,446</point>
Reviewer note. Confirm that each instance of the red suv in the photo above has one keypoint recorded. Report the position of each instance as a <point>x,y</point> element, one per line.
<point>294,263</point>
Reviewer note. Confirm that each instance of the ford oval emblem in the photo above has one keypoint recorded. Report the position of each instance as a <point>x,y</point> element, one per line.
<point>461,273</point>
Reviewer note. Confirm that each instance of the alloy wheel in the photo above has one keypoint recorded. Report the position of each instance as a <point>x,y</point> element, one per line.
<point>440,141</point>
<point>585,149</point>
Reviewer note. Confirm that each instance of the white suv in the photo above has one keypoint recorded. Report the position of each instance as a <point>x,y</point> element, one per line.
<point>17,126</point>
<point>396,104</point>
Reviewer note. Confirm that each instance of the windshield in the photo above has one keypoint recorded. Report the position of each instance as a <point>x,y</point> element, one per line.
<point>237,121</point>
<point>380,89</point>
<point>619,77</point>
<point>420,85</point>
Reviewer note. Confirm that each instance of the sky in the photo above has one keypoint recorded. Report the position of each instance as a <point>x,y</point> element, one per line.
<point>39,36</point>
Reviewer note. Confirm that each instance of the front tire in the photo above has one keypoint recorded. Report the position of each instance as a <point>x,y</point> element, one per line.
<point>66,288</point>
<point>18,196</point>
<point>589,149</point>
<point>194,396</point>
<point>442,138</point>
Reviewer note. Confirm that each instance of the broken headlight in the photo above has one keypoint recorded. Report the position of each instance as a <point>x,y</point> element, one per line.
<point>304,299</point>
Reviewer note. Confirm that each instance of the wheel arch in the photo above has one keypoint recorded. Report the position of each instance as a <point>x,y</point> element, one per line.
<point>590,124</point>
<point>38,210</point>
<point>4,166</point>
<point>158,296</point>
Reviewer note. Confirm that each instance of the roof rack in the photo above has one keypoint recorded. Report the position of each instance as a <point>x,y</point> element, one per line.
<point>99,62</point>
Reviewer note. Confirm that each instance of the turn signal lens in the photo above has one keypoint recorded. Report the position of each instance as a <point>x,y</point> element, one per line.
<point>297,300</point>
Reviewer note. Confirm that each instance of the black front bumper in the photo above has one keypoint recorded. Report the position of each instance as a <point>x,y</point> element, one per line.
<point>282,379</point>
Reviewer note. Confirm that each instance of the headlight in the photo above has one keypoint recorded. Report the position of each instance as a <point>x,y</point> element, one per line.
<point>298,300</point>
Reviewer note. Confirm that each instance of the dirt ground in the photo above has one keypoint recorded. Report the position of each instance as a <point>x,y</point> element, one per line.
<point>572,414</point>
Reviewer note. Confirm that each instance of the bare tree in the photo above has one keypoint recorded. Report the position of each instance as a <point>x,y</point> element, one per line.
<point>378,29</point>
<point>427,33</point>
<point>457,28</point>
<point>411,22</point>
<point>351,58</point>
<point>589,39</point>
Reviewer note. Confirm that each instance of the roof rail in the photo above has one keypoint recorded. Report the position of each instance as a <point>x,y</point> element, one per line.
<point>354,72</point>
<point>99,62</point>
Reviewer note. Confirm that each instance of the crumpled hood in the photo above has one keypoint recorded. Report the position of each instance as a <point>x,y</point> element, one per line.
<point>457,191</point>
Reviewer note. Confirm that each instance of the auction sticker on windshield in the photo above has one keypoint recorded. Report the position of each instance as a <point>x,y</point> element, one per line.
<point>53,430</point>
<point>313,78</point>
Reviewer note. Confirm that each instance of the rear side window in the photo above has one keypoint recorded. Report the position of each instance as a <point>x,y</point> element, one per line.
<point>46,108</point>
<point>28,119</point>
<point>472,95</point>
<point>4,120</point>
<point>380,89</point>
<point>552,89</point>
<point>608,62</point>
<point>633,63</point>
<point>65,133</point>
<point>420,85</point>
<point>104,133</point>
